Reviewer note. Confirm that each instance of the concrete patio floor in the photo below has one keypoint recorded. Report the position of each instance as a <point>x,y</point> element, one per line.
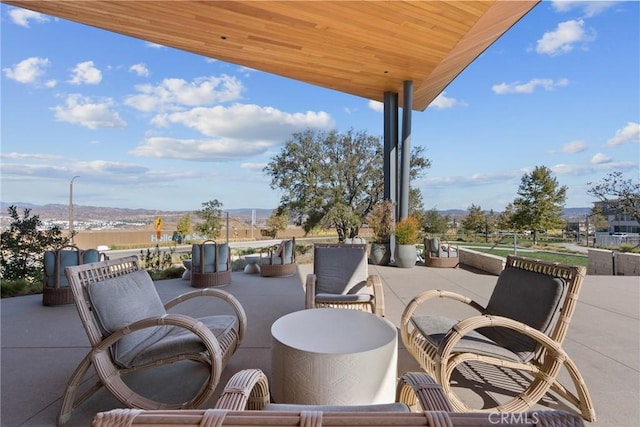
<point>41,346</point>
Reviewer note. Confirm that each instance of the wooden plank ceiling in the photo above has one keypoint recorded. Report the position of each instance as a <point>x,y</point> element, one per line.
<point>362,48</point>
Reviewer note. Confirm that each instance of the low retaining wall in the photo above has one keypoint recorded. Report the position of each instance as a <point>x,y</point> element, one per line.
<point>486,262</point>
<point>604,262</point>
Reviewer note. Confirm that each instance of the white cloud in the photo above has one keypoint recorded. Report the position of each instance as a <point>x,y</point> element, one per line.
<point>600,158</point>
<point>154,45</point>
<point>254,167</point>
<point>28,156</point>
<point>22,17</point>
<point>376,106</point>
<point>249,121</point>
<point>172,94</point>
<point>563,38</point>
<point>629,134</point>
<point>476,179</point>
<point>235,132</point>
<point>28,70</point>
<point>202,150</point>
<point>586,169</point>
<point>140,69</point>
<point>443,102</point>
<point>589,7</point>
<point>82,111</point>
<point>574,147</point>
<point>85,73</point>
<point>529,87</point>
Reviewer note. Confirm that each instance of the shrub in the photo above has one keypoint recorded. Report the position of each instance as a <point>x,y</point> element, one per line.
<point>381,221</point>
<point>407,231</point>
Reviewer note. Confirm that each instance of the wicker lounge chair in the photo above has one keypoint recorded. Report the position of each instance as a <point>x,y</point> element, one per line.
<point>279,260</point>
<point>441,255</point>
<point>56,290</point>
<point>522,328</point>
<point>210,264</point>
<point>340,279</point>
<point>130,329</point>
<point>245,402</point>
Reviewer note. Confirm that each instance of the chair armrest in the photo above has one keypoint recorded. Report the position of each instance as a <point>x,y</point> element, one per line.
<point>217,293</point>
<point>378,293</point>
<point>245,390</point>
<point>425,296</point>
<point>310,291</point>
<point>418,387</point>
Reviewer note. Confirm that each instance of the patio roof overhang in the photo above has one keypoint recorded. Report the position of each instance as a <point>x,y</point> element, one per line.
<point>364,48</point>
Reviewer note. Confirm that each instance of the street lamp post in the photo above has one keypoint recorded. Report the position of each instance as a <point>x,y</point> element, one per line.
<point>71,209</point>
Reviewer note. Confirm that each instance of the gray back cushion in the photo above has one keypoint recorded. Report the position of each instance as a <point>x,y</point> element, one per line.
<point>67,258</point>
<point>340,270</point>
<point>288,252</point>
<point>223,256</point>
<point>120,301</point>
<point>528,297</point>
<point>203,262</point>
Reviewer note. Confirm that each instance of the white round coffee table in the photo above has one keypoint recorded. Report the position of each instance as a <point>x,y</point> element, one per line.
<point>331,356</point>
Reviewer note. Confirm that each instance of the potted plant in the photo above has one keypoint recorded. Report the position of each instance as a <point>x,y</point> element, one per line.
<point>407,234</point>
<point>381,221</point>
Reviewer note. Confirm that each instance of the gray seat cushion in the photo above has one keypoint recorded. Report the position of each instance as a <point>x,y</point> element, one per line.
<point>120,301</point>
<point>382,407</point>
<point>339,298</point>
<point>434,328</point>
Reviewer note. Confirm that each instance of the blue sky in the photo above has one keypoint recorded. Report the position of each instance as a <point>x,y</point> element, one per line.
<point>145,126</point>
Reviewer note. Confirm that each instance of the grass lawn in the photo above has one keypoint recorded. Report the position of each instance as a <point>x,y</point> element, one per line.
<point>562,258</point>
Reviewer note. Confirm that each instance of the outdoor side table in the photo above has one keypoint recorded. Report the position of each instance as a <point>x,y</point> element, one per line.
<point>252,266</point>
<point>187,273</point>
<point>332,356</point>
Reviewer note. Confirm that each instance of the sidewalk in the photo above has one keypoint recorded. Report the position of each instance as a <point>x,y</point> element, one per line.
<point>41,346</point>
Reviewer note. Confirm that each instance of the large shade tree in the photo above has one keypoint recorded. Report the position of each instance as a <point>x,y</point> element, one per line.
<point>332,179</point>
<point>540,202</point>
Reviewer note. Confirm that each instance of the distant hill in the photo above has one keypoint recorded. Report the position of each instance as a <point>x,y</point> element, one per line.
<point>98,213</point>
<point>89,213</point>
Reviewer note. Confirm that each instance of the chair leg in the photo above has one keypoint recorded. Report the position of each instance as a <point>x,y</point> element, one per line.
<point>69,403</point>
<point>583,400</point>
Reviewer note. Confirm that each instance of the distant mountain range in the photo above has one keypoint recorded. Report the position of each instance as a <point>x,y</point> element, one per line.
<point>99,213</point>
<point>95,213</point>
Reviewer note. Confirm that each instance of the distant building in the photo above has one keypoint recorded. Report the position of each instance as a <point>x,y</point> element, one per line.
<point>618,222</point>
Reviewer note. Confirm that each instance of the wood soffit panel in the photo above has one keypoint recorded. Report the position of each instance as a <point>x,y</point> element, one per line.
<point>363,48</point>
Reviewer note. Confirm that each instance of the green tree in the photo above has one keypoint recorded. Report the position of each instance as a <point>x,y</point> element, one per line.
<point>332,179</point>
<point>474,221</point>
<point>435,224</point>
<point>540,203</point>
<point>277,222</point>
<point>184,225</point>
<point>23,244</point>
<point>505,219</point>
<point>211,216</point>
<point>618,194</point>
